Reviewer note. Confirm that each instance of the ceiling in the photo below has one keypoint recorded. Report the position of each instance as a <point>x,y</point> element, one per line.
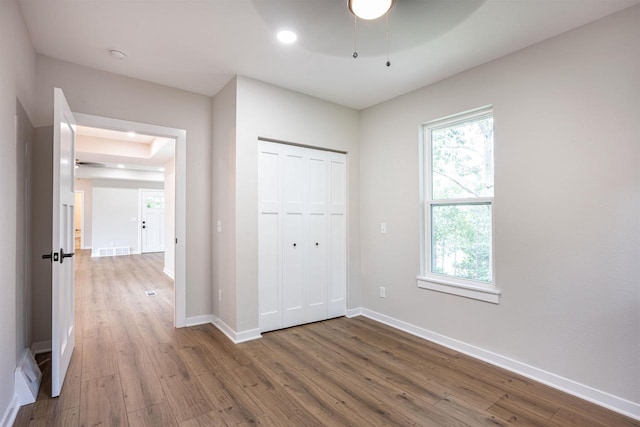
<point>198,45</point>
<point>120,155</point>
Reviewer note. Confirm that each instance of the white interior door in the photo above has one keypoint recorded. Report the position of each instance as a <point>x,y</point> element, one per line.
<point>152,224</point>
<point>62,263</point>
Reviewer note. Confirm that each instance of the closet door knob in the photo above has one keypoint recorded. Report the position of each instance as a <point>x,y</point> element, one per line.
<point>294,245</point>
<point>317,244</point>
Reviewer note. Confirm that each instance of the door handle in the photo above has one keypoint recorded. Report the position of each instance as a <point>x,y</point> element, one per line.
<point>52,256</point>
<point>63,255</point>
<point>144,226</point>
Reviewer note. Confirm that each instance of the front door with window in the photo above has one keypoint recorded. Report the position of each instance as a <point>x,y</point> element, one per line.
<point>152,223</point>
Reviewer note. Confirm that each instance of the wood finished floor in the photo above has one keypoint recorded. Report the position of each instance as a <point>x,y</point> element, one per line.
<point>131,367</point>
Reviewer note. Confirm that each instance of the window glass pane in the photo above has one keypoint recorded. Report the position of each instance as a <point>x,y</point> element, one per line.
<point>461,241</point>
<point>462,160</point>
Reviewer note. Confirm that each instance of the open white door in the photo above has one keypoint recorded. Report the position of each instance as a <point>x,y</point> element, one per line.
<point>62,263</point>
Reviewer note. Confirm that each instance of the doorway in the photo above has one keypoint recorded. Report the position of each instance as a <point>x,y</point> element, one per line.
<point>79,220</point>
<point>175,252</point>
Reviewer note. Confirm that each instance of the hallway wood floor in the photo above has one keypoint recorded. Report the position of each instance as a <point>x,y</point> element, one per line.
<point>131,367</point>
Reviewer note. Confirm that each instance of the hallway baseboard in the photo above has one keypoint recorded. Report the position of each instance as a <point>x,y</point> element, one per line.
<point>41,347</point>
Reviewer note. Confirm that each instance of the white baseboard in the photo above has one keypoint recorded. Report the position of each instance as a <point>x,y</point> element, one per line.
<point>236,337</point>
<point>250,335</point>
<point>9,416</point>
<point>607,400</point>
<point>41,347</point>
<point>353,312</point>
<point>168,273</point>
<point>200,320</point>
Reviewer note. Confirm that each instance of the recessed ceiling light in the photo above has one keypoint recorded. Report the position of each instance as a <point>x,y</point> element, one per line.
<point>121,166</point>
<point>117,54</point>
<point>287,37</point>
<point>131,134</point>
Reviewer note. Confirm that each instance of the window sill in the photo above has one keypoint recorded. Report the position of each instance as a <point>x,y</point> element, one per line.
<point>438,284</point>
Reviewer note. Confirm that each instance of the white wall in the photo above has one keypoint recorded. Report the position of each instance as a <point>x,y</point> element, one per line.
<point>41,197</point>
<point>105,94</point>
<point>17,81</point>
<point>24,140</point>
<point>116,210</point>
<point>86,185</point>
<point>567,206</point>
<point>268,111</point>
<point>224,204</point>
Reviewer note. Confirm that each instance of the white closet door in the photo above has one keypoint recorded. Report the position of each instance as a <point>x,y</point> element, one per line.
<point>302,234</point>
<point>270,238</point>
<point>316,267</point>
<point>337,234</point>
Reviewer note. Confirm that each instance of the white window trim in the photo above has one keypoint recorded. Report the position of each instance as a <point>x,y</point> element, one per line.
<point>482,291</point>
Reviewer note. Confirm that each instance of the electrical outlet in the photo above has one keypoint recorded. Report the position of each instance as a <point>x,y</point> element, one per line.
<point>383,227</point>
<point>220,295</point>
<point>383,292</point>
<point>219,226</point>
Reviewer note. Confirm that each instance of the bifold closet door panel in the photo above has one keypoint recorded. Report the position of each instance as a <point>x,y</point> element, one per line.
<point>337,263</point>
<point>269,239</point>
<point>316,267</point>
<point>294,192</point>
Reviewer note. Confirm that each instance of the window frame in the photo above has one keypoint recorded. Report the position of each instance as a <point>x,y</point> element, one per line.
<point>469,288</point>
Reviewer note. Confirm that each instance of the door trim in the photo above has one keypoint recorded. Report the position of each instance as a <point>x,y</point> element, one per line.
<point>180,135</point>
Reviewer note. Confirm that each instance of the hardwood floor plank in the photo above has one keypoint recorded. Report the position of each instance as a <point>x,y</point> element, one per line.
<point>98,360</point>
<point>323,406</point>
<point>226,408</point>
<point>123,327</point>
<point>66,418</point>
<point>183,392</point>
<point>378,365</point>
<point>158,415</point>
<point>467,414</point>
<point>140,385</point>
<point>102,403</point>
<point>509,409</point>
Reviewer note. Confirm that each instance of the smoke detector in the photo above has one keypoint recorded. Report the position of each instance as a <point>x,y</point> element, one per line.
<point>117,54</point>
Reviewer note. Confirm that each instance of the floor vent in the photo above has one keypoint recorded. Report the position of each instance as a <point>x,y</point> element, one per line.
<point>151,293</point>
<point>114,251</point>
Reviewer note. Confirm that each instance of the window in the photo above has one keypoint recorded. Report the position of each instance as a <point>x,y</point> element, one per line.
<point>457,182</point>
